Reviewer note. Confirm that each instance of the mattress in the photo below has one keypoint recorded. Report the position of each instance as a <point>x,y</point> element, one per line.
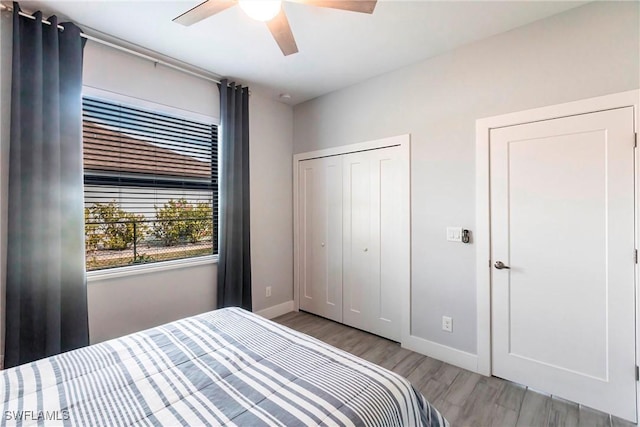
<point>225,367</point>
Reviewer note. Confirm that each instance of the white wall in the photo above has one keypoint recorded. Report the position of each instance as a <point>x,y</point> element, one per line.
<point>121,73</point>
<point>271,130</point>
<point>126,304</point>
<point>588,51</point>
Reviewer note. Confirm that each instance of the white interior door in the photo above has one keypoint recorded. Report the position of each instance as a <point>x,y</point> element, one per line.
<point>562,220</point>
<point>320,222</point>
<point>375,246</point>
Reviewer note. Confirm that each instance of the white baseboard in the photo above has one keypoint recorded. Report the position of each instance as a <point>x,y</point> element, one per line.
<point>276,310</point>
<point>447,354</point>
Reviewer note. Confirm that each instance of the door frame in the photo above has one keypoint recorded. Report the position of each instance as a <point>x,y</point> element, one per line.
<point>483,211</point>
<point>402,141</point>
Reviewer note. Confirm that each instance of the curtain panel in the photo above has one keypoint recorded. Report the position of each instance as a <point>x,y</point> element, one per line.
<point>234,264</point>
<point>46,296</point>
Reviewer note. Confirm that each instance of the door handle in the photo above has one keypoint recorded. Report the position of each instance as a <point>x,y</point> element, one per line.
<point>500,265</point>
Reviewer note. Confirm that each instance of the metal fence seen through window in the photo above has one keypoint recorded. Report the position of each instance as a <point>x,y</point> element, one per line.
<point>131,241</point>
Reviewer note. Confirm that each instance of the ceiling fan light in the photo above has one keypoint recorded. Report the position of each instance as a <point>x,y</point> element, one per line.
<point>261,10</point>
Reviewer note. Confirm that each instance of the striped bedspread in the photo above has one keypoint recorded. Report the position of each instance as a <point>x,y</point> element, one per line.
<point>225,367</point>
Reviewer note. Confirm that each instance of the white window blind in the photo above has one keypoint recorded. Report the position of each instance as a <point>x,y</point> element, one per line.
<point>151,185</point>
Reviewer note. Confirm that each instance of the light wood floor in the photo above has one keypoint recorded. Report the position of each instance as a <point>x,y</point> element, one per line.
<point>463,397</point>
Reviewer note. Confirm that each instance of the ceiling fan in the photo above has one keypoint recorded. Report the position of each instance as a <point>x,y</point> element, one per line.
<point>272,13</point>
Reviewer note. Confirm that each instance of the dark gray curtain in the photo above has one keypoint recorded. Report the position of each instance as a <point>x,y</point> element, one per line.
<point>234,265</point>
<point>46,295</point>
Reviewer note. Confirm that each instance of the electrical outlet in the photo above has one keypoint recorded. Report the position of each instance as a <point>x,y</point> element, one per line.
<point>447,324</point>
<point>268,291</point>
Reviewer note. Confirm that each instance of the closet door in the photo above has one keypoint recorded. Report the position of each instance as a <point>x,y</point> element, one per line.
<point>320,221</point>
<point>375,252</point>
<point>358,254</point>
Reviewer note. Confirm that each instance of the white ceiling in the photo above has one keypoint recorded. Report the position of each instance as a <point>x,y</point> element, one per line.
<point>337,48</point>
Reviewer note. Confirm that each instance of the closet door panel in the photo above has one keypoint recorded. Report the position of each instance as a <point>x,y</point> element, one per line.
<point>320,222</point>
<point>332,245</point>
<point>373,252</point>
<point>357,239</point>
<point>386,243</point>
<point>308,214</point>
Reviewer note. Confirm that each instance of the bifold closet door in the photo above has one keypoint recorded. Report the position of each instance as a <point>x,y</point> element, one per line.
<point>374,249</point>
<point>320,242</point>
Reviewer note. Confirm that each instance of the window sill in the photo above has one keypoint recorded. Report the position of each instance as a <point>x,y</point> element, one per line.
<point>113,273</point>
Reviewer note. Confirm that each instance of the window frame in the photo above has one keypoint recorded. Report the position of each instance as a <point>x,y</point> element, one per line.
<point>146,268</point>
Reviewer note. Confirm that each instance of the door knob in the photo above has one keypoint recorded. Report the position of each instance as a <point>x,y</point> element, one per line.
<point>500,265</point>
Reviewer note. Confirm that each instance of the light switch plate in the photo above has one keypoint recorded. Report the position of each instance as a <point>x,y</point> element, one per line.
<point>454,234</point>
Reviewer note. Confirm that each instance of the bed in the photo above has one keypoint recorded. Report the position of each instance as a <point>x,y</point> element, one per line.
<point>225,367</point>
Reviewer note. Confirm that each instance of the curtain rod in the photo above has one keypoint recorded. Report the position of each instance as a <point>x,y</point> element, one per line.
<point>121,48</point>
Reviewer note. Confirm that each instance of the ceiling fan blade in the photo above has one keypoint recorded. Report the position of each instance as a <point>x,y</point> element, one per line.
<point>363,6</point>
<point>202,11</point>
<point>281,31</point>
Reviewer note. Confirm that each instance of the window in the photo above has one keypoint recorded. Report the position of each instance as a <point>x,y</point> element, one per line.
<point>150,185</point>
